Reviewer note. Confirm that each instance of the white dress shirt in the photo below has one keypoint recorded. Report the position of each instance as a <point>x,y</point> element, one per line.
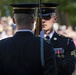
<point>50,35</point>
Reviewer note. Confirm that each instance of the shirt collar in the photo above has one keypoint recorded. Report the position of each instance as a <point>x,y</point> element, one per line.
<point>24,30</point>
<point>50,35</point>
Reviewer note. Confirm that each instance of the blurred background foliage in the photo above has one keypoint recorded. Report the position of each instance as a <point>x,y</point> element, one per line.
<point>66,11</point>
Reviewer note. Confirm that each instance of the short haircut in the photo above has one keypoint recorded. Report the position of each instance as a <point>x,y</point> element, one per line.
<point>23,19</point>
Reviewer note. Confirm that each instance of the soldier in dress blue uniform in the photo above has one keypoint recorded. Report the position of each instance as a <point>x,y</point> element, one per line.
<point>21,54</point>
<point>63,46</point>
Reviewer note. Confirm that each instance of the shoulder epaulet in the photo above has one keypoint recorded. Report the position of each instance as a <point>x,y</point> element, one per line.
<point>62,36</point>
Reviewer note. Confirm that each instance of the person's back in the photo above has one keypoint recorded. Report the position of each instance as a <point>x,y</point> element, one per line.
<point>21,54</point>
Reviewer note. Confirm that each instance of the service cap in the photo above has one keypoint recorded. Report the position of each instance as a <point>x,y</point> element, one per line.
<point>27,8</point>
<point>48,7</point>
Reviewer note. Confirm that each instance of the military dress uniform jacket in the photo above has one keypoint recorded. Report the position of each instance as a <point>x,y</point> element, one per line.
<point>20,55</point>
<point>63,48</point>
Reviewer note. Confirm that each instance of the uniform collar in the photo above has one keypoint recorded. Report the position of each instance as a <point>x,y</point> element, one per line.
<point>24,30</point>
<point>50,35</point>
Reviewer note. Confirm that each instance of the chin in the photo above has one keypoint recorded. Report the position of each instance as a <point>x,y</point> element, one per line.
<point>44,28</point>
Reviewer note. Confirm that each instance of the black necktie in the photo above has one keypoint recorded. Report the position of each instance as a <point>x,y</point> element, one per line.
<point>48,38</point>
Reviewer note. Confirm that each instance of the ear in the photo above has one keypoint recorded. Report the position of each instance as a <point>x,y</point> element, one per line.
<point>55,19</point>
<point>13,20</point>
<point>33,20</point>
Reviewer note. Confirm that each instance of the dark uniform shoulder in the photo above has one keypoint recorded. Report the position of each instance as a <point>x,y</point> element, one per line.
<point>5,40</point>
<point>62,36</point>
<point>68,39</point>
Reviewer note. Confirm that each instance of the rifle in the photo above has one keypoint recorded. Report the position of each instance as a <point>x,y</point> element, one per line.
<point>38,21</point>
<point>37,32</point>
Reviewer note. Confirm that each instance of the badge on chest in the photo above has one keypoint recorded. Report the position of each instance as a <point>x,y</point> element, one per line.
<point>59,52</point>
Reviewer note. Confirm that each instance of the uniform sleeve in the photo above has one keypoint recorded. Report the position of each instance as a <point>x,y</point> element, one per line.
<point>66,66</point>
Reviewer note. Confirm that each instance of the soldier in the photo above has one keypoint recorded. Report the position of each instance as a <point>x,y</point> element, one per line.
<point>20,54</point>
<point>63,46</point>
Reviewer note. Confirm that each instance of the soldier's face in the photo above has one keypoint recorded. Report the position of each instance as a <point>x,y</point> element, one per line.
<point>47,24</point>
